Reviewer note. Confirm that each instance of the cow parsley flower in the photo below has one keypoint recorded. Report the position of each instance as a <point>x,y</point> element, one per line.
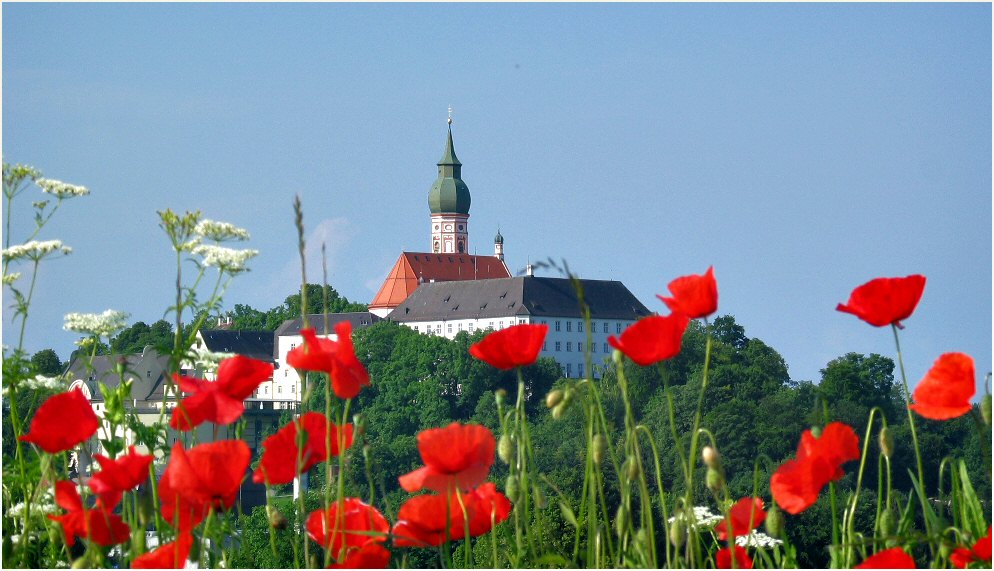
<point>35,250</point>
<point>61,190</point>
<point>11,278</point>
<point>97,324</point>
<point>757,539</point>
<point>225,259</point>
<point>220,231</point>
<point>703,517</point>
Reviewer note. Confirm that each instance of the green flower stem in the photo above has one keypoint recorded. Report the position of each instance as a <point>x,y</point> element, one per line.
<point>588,467</point>
<point>849,515</point>
<point>662,494</point>
<point>914,434</point>
<point>631,440</point>
<point>524,461</point>
<point>467,548</point>
<point>834,549</point>
<point>697,423</point>
<point>880,499</point>
<point>22,308</point>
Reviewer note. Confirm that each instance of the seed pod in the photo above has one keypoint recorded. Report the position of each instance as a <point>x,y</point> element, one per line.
<point>500,395</point>
<point>276,519</point>
<point>632,469</point>
<point>599,447</point>
<point>560,409</point>
<point>511,488</point>
<point>888,523</point>
<point>568,395</point>
<point>621,520</point>
<point>711,457</point>
<point>886,442</point>
<point>774,522</point>
<point>553,398</point>
<point>985,409</point>
<point>505,448</point>
<point>678,531</point>
<point>715,480</point>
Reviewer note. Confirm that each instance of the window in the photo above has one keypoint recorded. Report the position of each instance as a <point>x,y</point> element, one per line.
<point>617,327</point>
<point>559,345</point>
<point>569,326</point>
<point>579,370</point>
<point>279,389</point>
<point>521,322</point>
<point>544,345</point>
<point>471,327</point>
<point>569,346</point>
<point>148,374</point>
<point>569,369</point>
<point>557,326</point>
<point>285,372</point>
<point>605,345</point>
<point>415,327</point>
<point>448,328</point>
<point>579,326</point>
<point>593,327</point>
<point>266,390</point>
<point>605,327</point>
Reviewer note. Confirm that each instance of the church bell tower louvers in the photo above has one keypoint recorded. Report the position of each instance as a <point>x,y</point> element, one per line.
<point>448,201</point>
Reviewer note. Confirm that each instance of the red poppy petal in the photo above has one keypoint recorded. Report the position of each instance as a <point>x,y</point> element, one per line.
<point>172,555</point>
<point>723,559</point>
<point>652,339</point>
<point>893,558</point>
<point>796,484</point>
<point>369,556</point>
<point>746,515</point>
<point>947,388</point>
<point>885,301</point>
<point>61,422</point>
<point>316,354</point>
<point>239,376</point>
<point>67,497</point>
<point>693,295</point>
<point>515,346</point>
<point>486,507</point>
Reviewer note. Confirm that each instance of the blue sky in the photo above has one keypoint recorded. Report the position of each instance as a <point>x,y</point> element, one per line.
<point>800,149</point>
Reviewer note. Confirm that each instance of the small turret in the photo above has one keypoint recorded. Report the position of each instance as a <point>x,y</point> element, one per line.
<point>499,246</point>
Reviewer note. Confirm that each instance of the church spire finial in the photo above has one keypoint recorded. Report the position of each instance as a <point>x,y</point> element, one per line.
<point>450,114</point>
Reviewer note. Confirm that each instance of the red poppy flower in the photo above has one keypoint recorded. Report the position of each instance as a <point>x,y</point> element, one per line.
<point>206,475</point>
<point>885,301</point>
<point>486,508</point>
<point>893,558</point>
<point>947,388</point>
<point>723,559</point>
<point>280,450</point>
<point>516,346</point>
<point>421,521</point>
<point>979,553</point>
<point>61,422</point>
<point>360,524</point>
<point>370,556</point>
<point>336,358</point>
<point>797,483</point>
<point>746,515</point>
<point>172,555</point>
<point>219,401</point>
<point>652,339</point>
<point>118,476</point>
<point>97,524</point>
<point>456,457</point>
<point>694,295</point>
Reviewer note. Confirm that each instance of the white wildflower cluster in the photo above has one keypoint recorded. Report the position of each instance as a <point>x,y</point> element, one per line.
<point>757,539</point>
<point>98,324</point>
<point>703,517</point>
<point>220,231</point>
<point>208,362</point>
<point>61,189</point>
<point>40,382</point>
<point>225,259</point>
<point>35,250</point>
<point>45,504</point>
<point>11,278</point>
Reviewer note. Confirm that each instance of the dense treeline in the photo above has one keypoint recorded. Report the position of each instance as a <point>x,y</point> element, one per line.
<point>752,406</point>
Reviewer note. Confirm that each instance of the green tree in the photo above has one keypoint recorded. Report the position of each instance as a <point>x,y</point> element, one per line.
<point>46,362</point>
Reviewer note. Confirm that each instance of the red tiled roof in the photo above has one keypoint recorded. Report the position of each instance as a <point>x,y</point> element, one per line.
<point>414,267</point>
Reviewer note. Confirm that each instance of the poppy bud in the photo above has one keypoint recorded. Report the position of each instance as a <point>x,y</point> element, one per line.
<point>276,519</point>
<point>678,531</point>
<point>511,488</point>
<point>816,431</point>
<point>774,522</point>
<point>711,457</point>
<point>568,395</point>
<point>359,421</point>
<point>888,523</point>
<point>621,520</point>
<point>641,536</point>
<point>715,480</point>
<point>985,409</point>
<point>505,448</point>
<point>632,469</point>
<point>553,398</point>
<point>560,409</point>
<point>500,395</point>
<point>617,356</point>
<point>886,442</point>
<point>599,447</point>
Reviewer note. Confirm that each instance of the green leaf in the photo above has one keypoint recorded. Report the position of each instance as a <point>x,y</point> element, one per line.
<point>568,513</point>
<point>973,512</point>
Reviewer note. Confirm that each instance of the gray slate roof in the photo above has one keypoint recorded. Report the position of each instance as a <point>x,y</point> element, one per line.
<point>316,320</point>
<point>523,295</point>
<point>254,344</point>
<point>147,370</point>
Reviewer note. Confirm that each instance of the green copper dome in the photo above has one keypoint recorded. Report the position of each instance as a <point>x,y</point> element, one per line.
<point>449,194</point>
<point>498,239</point>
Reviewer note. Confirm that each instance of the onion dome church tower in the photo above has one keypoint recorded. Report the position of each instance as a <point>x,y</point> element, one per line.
<point>449,202</point>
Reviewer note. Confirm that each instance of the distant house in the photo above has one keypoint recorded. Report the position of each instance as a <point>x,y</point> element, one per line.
<point>446,308</point>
